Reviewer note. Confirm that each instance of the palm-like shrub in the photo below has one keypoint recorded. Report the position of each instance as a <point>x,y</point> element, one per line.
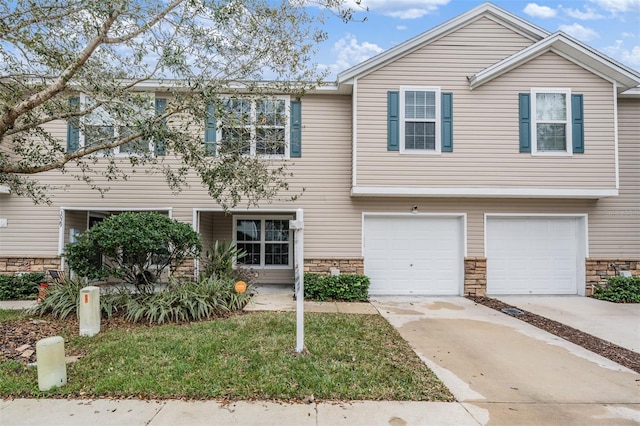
<point>179,302</point>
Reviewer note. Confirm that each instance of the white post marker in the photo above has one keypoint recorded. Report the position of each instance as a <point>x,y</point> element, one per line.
<point>297,226</point>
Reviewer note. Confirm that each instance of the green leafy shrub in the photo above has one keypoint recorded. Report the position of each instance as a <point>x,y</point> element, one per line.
<point>348,287</point>
<point>61,300</point>
<point>20,287</point>
<point>620,290</point>
<point>180,301</point>
<point>137,247</point>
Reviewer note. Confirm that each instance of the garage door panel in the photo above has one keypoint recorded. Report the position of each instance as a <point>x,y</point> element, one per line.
<point>532,255</point>
<point>413,255</point>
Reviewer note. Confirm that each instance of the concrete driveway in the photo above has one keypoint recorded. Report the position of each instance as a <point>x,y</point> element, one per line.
<point>617,323</point>
<point>507,372</point>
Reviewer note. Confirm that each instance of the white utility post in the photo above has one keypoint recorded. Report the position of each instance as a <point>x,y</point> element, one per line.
<point>297,226</point>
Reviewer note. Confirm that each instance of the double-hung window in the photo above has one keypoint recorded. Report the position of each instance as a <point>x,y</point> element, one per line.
<point>100,127</point>
<point>420,120</point>
<point>266,241</point>
<point>256,127</point>
<point>551,121</point>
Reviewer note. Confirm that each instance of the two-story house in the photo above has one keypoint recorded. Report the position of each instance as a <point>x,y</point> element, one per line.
<point>484,155</point>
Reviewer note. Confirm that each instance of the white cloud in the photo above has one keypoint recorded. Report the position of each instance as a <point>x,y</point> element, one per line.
<point>537,11</point>
<point>579,32</point>
<point>630,57</point>
<point>401,27</point>
<point>615,6</point>
<point>588,14</point>
<point>349,53</point>
<point>413,13</point>
<point>404,9</point>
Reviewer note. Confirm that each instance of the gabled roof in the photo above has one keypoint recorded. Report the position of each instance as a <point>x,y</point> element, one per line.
<point>572,50</point>
<point>519,25</point>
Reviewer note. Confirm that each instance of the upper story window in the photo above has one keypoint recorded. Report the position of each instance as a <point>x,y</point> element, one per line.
<point>257,127</point>
<point>420,112</point>
<point>551,121</point>
<point>100,127</point>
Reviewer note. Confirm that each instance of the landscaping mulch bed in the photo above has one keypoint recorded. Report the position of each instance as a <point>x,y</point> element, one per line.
<point>622,356</point>
<point>18,338</point>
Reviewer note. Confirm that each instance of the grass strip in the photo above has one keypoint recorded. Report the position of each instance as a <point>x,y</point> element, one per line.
<point>244,357</point>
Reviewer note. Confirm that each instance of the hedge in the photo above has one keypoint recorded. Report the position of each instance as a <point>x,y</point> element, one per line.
<point>346,287</point>
<point>20,287</point>
<point>620,290</point>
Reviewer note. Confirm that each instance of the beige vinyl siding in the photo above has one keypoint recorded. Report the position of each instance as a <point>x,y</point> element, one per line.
<point>485,120</point>
<point>333,220</point>
<point>205,228</point>
<point>615,223</point>
<point>324,172</point>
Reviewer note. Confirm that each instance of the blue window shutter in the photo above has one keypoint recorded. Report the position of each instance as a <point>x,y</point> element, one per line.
<point>73,128</point>
<point>447,122</point>
<point>160,147</point>
<point>210,131</point>
<point>577,131</point>
<point>393,121</point>
<point>525,122</point>
<point>295,142</point>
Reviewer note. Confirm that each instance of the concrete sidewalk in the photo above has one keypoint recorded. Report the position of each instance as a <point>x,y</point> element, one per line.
<point>54,412</point>
<point>617,323</point>
<point>285,302</point>
<point>16,304</point>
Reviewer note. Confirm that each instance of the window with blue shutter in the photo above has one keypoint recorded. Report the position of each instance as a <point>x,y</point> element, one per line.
<point>73,127</point>
<point>393,121</point>
<point>412,120</point>
<point>447,122</point>
<point>160,147</point>
<point>295,141</point>
<point>210,131</point>
<point>551,121</point>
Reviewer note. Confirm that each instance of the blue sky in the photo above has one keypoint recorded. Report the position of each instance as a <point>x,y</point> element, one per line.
<point>610,26</point>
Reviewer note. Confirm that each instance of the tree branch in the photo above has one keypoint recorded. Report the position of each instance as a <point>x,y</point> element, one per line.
<point>8,119</point>
<point>144,28</point>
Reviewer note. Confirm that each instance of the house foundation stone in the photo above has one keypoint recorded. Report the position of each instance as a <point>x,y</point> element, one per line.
<point>599,270</point>
<point>325,265</point>
<point>475,276</point>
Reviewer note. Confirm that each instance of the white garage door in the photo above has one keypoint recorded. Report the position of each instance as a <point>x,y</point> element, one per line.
<point>421,255</point>
<point>534,255</point>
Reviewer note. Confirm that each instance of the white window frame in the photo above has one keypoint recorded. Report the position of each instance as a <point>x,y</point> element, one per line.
<point>252,127</point>
<point>438,120</point>
<point>263,242</point>
<point>534,121</point>
<point>84,101</point>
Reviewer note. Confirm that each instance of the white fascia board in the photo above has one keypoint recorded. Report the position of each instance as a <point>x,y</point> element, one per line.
<point>4,189</point>
<point>488,192</point>
<point>631,93</point>
<point>516,23</point>
<point>570,49</point>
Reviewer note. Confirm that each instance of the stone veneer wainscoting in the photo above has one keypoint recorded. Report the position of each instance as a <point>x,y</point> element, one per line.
<point>599,270</point>
<point>475,276</point>
<point>13,265</point>
<point>345,265</point>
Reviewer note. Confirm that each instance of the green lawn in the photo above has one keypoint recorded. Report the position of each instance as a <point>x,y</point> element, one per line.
<point>10,314</point>
<point>248,356</point>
